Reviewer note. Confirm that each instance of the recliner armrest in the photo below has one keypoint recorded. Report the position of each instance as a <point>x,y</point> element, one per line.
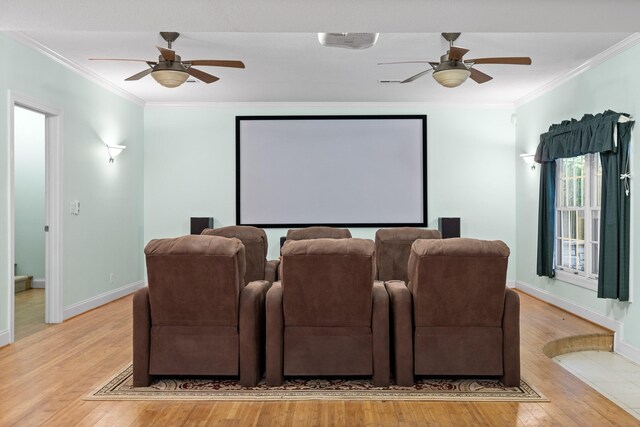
<point>380,331</point>
<point>271,270</point>
<point>252,331</point>
<point>275,336</point>
<point>401,331</point>
<point>511,339</point>
<point>141,337</point>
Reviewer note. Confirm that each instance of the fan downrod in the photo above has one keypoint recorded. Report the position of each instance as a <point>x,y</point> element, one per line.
<point>169,36</point>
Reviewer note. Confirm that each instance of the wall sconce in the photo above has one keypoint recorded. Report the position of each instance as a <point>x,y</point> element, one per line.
<point>114,151</point>
<point>530,160</point>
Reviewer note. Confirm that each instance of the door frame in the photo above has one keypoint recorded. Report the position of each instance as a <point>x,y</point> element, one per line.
<point>53,207</point>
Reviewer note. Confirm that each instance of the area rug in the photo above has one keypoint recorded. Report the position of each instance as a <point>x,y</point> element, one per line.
<point>120,387</point>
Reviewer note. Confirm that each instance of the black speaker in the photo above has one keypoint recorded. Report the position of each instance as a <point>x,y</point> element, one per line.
<point>449,227</point>
<point>199,224</point>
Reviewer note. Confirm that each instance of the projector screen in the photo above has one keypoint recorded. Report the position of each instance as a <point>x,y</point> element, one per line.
<point>347,171</point>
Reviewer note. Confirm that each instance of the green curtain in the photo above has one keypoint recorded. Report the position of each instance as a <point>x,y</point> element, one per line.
<point>547,220</point>
<point>592,134</point>
<point>613,276</point>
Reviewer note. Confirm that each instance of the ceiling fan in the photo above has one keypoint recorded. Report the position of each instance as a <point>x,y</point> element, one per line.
<point>452,70</point>
<point>170,70</point>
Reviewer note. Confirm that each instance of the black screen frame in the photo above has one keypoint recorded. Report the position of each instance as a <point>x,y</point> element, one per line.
<point>422,117</point>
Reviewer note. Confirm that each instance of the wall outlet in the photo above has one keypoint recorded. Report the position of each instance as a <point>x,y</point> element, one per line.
<point>111,278</point>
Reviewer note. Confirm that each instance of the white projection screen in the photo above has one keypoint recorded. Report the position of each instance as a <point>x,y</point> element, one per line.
<point>347,171</point>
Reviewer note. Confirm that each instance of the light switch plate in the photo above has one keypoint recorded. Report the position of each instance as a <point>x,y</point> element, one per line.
<point>75,208</point>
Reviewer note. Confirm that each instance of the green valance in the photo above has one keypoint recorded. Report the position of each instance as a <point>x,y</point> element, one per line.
<point>571,138</point>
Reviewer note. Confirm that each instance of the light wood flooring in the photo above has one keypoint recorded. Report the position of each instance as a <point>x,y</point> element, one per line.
<point>44,376</point>
<point>29,311</point>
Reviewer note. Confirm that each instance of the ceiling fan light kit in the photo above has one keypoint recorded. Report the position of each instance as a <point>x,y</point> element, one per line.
<point>451,77</point>
<point>169,78</point>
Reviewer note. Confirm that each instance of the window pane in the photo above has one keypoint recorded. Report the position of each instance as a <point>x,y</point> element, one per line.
<point>595,254</point>
<point>595,226</point>
<point>566,256</point>
<point>570,192</point>
<point>572,224</point>
<point>572,251</point>
<point>580,225</point>
<point>579,192</point>
<point>565,224</point>
<point>580,255</point>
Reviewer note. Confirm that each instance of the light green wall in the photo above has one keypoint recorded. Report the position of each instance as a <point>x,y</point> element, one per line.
<point>612,85</point>
<point>190,167</point>
<point>29,193</point>
<point>107,235</point>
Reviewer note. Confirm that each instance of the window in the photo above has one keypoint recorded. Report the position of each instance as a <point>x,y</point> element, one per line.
<point>578,219</point>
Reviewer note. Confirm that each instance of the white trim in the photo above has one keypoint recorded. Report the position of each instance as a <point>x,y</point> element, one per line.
<point>603,56</point>
<point>29,41</point>
<point>5,338</point>
<point>38,283</point>
<point>511,284</point>
<point>102,299</point>
<point>328,104</point>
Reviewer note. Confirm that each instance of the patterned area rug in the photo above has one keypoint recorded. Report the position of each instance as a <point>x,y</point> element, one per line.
<point>120,387</point>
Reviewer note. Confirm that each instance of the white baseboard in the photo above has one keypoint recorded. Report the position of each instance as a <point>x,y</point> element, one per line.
<point>37,283</point>
<point>5,338</point>
<point>102,299</point>
<point>511,284</point>
<point>620,347</point>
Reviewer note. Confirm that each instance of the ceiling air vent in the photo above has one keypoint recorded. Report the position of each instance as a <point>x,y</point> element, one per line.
<point>348,40</point>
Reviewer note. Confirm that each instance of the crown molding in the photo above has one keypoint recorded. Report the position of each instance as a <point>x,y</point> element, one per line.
<point>28,41</point>
<point>603,56</point>
<point>312,104</point>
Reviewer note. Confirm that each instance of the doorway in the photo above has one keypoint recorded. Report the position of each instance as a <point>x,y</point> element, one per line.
<point>29,221</point>
<point>35,220</point>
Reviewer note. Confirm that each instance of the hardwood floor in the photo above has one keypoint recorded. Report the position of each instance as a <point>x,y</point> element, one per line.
<point>44,376</point>
<point>29,310</point>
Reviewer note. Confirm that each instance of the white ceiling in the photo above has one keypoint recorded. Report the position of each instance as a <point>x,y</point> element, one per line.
<point>277,41</point>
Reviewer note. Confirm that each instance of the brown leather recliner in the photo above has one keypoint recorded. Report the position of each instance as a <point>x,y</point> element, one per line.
<point>393,247</point>
<point>465,320</point>
<point>255,250</point>
<point>327,316</point>
<point>197,317</point>
<point>318,233</point>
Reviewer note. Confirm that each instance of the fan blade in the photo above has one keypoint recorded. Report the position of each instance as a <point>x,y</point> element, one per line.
<point>479,76</point>
<point>456,53</point>
<point>119,59</point>
<point>140,75</point>
<point>515,60</point>
<point>205,77</point>
<point>168,54</point>
<point>416,76</point>
<point>215,63</point>
<point>404,62</point>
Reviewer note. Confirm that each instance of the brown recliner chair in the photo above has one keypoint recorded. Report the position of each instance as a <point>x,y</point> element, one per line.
<point>318,233</point>
<point>465,320</point>
<point>196,317</point>
<point>393,247</point>
<point>255,250</point>
<point>327,316</point>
